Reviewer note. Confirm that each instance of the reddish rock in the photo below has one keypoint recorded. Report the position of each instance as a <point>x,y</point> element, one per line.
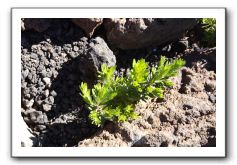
<point>88,24</point>
<point>134,33</point>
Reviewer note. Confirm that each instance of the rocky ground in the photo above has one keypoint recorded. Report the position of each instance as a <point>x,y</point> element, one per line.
<point>57,55</point>
<point>186,118</point>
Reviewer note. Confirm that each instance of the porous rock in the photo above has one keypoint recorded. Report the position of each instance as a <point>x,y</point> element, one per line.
<point>96,54</point>
<point>134,33</point>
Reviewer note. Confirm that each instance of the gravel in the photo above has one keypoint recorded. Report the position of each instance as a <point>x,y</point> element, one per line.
<point>49,84</point>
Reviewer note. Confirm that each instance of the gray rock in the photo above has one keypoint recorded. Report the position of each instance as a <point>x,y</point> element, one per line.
<point>40,53</point>
<point>41,84</point>
<point>27,96</point>
<point>40,68</point>
<point>134,33</point>
<point>47,107</point>
<point>28,111</point>
<point>24,51</point>
<point>59,120</point>
<point>34,56</point>
<point>47,80</point>
<point>52,63</point>
<point>30,76</point>
<point>46,62</point>
<point>54,73</point>
<point>67,48</point>
<point>84,39</point>
<point>155,140</point>
<point>29,103</point>
<point>58,50</point>
<point>24,74</point>
<point>97,53</point>
<point>42,58</point>
<point>73,54</point>
<point>46,93</point>
<point>23,85</point>
<point>75,48</point>
<point>53,93</point>
<point>49,73</point>
<point>33,91</point>
<point>38,117</point>
<point>51,99</point>
<point>55,55</point>
<point>25,91</point>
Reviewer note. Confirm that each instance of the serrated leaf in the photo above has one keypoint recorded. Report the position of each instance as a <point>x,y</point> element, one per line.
<point>122,118</point>
<point>95,118</point>
<point>139,71</point>
<point>85,93</point>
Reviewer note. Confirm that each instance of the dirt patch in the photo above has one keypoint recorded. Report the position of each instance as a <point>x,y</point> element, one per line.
<point>186,118</point>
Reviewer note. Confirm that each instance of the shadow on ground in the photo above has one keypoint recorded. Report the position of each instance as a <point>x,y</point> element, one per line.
<point>70,118</point>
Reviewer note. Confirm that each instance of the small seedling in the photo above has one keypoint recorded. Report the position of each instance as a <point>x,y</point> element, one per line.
<point>113,98</point>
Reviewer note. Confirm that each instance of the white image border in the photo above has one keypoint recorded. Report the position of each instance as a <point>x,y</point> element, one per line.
<point>218,151</point>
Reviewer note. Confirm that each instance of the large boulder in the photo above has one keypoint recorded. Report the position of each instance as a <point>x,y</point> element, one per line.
<point>88,24</point>
<point>96,53</point>
<point>134,33</point>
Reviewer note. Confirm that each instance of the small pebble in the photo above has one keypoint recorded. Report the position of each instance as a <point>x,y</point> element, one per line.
<point>34,56</point>
<point>51,99</point>
<point>25,73</point>
<point>40,127</point>
<point>29,103</point>
<point>46,93</point>
<point>73,54</point>
<point>75,48</point>
<point>46,80</point>
<point>27,96</point>
<point>47,107</point>
<point>63,55</point>
<point>53,93</point>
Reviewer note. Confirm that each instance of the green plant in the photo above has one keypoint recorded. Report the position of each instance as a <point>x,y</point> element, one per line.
<point>209,33</point>
<point>113,98</point>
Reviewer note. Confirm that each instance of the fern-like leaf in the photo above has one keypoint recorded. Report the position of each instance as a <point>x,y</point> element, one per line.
<point>114,98</point>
